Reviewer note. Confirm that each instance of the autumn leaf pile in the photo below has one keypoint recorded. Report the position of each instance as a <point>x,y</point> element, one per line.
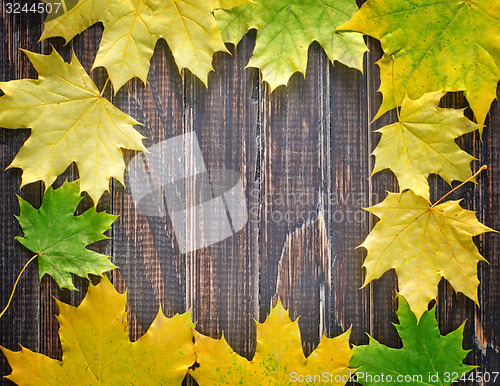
<point>431,47</point>
<point>97,350</point>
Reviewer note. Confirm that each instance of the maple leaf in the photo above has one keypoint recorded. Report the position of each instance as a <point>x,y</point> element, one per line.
<point>436,44</point>
<point>423,143</point>
<point>70,122</point>
<point>424,243</point>
<point>425,353</point>
<point>132,28</point>
<point>59,238</point>
<point>286,29</point>
<point>278,357</point>
<point>97,350</point>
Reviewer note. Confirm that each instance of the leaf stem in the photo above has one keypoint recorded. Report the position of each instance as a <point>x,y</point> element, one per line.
<point>15,284</point>
<point>104,88</point>
<point>484,167</point>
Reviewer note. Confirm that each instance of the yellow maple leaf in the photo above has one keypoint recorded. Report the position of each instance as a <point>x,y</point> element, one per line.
<point>70,122</point>
<point>423,143</point>
<point>132,28</point>
<point>97,350</point>
<point>424,243</point>
<point>436,44</point>
<point>278,360</point>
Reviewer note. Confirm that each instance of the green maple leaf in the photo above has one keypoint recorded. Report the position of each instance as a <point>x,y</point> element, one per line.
<point>425,352</point>
<point>59,238</point>
<point>423,143</point>
<point>286,29</point>
<point>132,28</point>
<point>436,44</point>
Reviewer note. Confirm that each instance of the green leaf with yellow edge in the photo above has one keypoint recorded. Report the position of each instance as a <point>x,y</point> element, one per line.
<point>278,357</point>
<point>427,357</point>
<point>424,243</point>
<point>286,29</point>
<point>70,122</point>
<point>97,350</point>
<point>423,143</point>
<point>133,27</point>
<point>436,44</point>
<point>59,238</point>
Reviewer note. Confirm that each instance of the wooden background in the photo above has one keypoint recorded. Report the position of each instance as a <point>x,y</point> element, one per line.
<point>311,138</point>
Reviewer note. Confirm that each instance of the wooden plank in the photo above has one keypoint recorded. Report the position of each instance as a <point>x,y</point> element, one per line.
<point>221,280</point>
<point>350,192</point>
<point>452,309</point>
<point>153,271</point>
<point>295,179</point>
<point>486,320</point>
<point>304,278</point>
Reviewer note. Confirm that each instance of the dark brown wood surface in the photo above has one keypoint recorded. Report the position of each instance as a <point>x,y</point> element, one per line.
<point>303,154</point>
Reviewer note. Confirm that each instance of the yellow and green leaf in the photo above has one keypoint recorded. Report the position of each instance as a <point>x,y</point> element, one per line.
<point>435,44</point>
<point>286,29</point>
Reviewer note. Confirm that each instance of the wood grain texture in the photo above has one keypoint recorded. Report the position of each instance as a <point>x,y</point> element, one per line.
<point>303,155</point>
<point>222,280</point>
<point>295,178</point>
<point>350,191</point>
<point>304,278</point>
